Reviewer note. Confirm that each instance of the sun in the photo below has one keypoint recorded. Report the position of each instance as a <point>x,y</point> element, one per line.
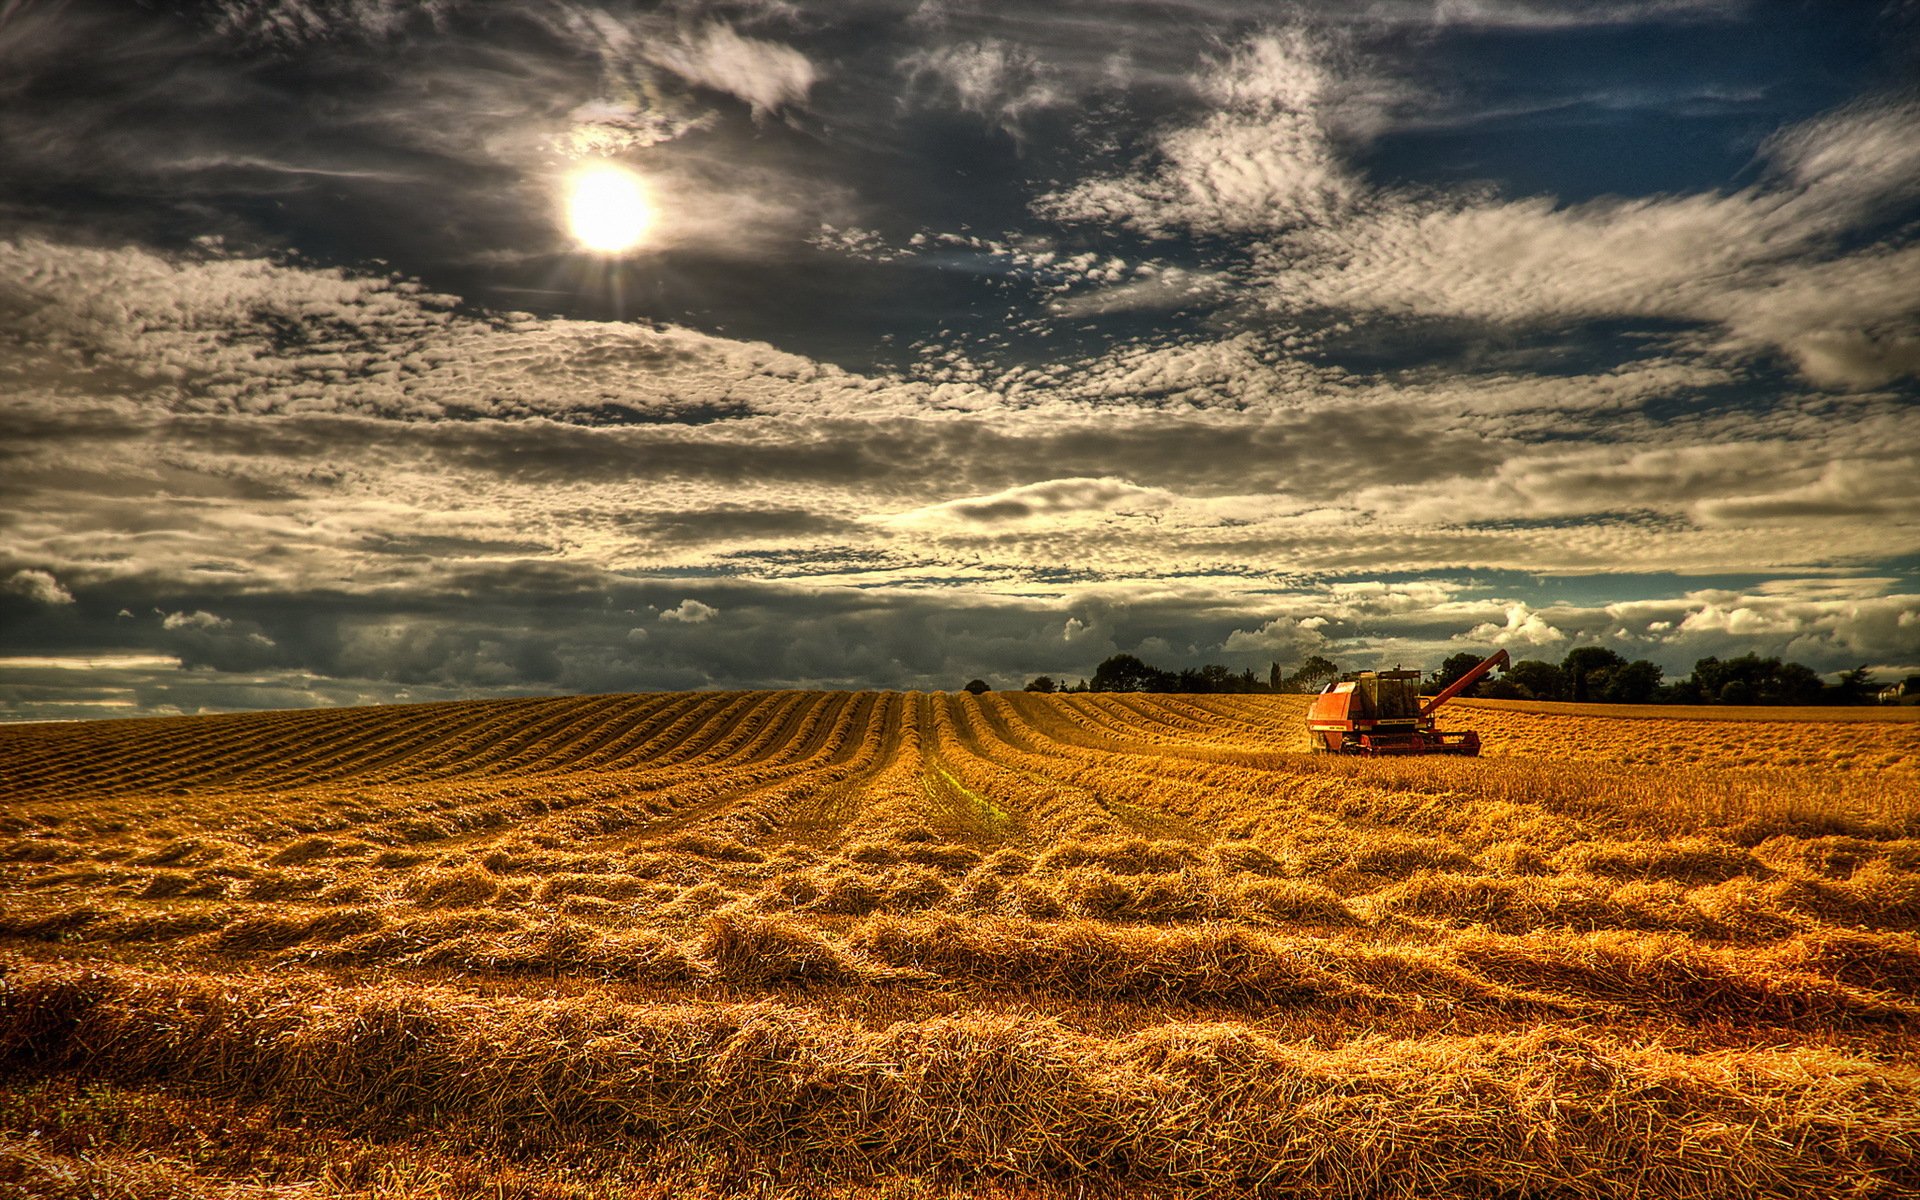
<point>607,208</point>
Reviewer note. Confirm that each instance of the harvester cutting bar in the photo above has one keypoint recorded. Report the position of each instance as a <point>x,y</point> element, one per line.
<point>1431,741</point>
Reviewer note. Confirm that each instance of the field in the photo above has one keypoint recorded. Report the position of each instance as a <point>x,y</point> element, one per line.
<point>905,945</point>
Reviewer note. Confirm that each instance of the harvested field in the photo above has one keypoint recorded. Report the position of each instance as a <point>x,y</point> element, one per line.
<point>885,944</point>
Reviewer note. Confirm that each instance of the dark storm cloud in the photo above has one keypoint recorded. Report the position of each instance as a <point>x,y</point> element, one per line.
<point>600,633</point>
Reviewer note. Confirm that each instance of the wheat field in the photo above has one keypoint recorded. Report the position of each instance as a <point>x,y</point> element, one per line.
<point>925,944</point>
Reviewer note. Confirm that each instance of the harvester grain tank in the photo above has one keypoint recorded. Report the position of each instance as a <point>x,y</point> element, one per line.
<point>1381,712</point>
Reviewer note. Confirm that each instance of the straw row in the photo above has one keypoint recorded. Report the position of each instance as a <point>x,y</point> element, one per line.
<point>1552,1111</point>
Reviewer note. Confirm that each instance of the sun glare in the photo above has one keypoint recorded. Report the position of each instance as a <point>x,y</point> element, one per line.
<point>607,208</point>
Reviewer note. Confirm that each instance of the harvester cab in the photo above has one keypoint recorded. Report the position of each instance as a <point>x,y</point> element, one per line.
<point>1382,712</point>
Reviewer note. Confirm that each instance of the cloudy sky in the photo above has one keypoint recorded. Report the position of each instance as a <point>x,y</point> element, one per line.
<point>962,339</point>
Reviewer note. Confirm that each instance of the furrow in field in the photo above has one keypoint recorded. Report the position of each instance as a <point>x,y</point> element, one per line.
<point>751,716</point>
<point>396,747</point>
<point>778,734</point>
<point>1163,715</point>
<point>356,750</point>
<point>1257,722</point>
<point>751,805</point>
<point>815,799</point>
<point>811,735</point>
<point>818,795</point>
<point>648,717</point>
<point>891,794</point>
<point>711,720</point>
<point>1063,720</point>
<point>650,742</point>
<point>506,752</point>
<point>1126,719</point>
<point>552,740</point>
<point>448,752</point>
<point>1278,720</point>
<point>772,727</point>
<point>356,754</point>
<point>729,731</point>
<point>621,807</point>
<point>1121,718</point>
<point>1176,792</point>
<point>998,764</point>
<point>405,744</point>
<point>631,718</point>
<point>1174,795</point>
<point>145,757</point>
<point>1049,718</point>
<point>1092,713</point>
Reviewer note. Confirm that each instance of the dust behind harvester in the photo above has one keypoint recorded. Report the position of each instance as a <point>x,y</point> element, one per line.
<point>1381,712</point>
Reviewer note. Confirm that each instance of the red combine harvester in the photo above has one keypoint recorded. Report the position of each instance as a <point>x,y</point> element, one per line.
<point>1380,712</point>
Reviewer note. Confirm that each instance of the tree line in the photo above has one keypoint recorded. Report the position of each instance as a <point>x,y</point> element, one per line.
<point>1588,674</point>
<point>1597,675</point>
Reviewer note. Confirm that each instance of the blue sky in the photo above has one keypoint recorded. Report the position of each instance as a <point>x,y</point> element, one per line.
<point>965,340</point>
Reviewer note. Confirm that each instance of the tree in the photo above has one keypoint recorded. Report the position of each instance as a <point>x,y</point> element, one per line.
<point>1125,673</point>
<point>1455,668</point>
<point>1853,687</point>
<point>1273,677</point>
<point>1587,669</point>
<point>1636,682</point>
<point>1539,680</point>
<point>1751,679</point>
<point>1042,683</point>
<point>1211,678</point>
<point>1794,683</point>
<point>1314,674</point>
<point>976,686</point>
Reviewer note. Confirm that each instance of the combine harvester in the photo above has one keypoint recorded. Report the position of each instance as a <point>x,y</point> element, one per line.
<point>1380,712</point>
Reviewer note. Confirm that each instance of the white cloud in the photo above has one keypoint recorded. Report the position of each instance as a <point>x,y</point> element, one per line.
<point>1171,288</point>
<point>194,620</point>
<point>989,78</point>
<point>1284,636</point>
<point>86,662</point>
<point>294,22</point>
<point>690,612</point>
<point>1261,162</point>
<point>767,75</point>
<point>196,333</point>
<point>1523,627</point>
<point>606,126</point>
<point>1050,501</point>
<point>38,586</point>
<point>1558,14</point>
<point>1375,598</point>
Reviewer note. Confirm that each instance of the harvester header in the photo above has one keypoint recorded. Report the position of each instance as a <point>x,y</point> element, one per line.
<point>1382,712</point>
